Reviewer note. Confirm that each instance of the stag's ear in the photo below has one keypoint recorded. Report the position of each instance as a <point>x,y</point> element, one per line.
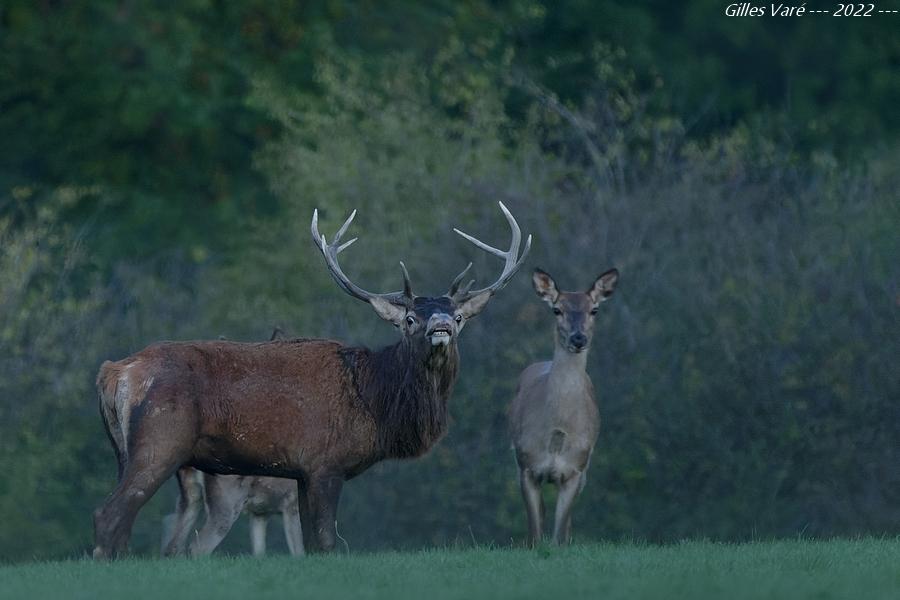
<point>475,305</point>
<point>545,286</point>
<point>604,286</point>
<point>388,310</point>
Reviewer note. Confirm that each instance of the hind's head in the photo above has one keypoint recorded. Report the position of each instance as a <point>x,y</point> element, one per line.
<point>574,311</point>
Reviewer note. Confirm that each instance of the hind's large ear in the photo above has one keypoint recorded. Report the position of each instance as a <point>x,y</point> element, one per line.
<point>604,286</point>
<point>545,286</point>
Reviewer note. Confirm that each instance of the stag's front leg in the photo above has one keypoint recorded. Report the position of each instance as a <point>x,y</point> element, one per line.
<point>534,504</point>
<point>568,491</point>
<point>323,494</point>
<point>305,513</point>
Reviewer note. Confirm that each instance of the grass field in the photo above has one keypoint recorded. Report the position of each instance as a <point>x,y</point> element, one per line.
<point>868,569</point>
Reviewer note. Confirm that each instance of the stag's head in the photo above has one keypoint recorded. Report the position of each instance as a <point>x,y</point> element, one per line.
<point>425,320</point>
<point>574,311</point>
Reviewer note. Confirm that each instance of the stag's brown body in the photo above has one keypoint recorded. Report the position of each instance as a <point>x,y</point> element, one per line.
<point>224,395</point>
<point>312,410</point>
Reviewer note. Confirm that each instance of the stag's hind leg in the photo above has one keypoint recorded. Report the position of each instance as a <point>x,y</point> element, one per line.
<point>159,438</point>
<point>142,476</point>
<point>187,509</point>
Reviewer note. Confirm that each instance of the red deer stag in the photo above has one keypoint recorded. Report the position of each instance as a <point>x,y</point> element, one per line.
<point>313,410</point>
<point>554,419</point>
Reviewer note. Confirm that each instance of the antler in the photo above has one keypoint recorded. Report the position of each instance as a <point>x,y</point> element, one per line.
<point>512,261</point>
<point>330,252</point>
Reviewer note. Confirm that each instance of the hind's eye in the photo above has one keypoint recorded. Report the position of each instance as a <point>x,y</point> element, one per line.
<point>556,311</point>
<point>459,318</point>
<point>410,320</point>
<point>593,311</point>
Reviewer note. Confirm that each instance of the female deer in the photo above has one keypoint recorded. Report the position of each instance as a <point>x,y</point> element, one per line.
<point>224,498</point>
<point>554,419</point>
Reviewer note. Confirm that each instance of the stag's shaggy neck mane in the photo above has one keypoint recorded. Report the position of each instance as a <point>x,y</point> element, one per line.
<point>407,388</point>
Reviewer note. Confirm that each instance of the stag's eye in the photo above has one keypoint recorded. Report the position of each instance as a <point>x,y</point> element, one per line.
<point>593,311</point>
<point>410,320</point>
<point>556,311</point>
<point>458,318</point>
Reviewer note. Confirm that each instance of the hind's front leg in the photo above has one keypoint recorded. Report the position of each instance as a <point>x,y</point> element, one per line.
<point>534,504</point>
<point>565,500</point>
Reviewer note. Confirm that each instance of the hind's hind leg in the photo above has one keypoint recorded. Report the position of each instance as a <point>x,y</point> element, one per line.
<point>187,509</point>
<point>258,525</point>
<point>226,496</point>
<point>293,530</point>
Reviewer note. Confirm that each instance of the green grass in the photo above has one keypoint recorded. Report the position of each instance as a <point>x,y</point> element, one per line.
<point>865,568</point>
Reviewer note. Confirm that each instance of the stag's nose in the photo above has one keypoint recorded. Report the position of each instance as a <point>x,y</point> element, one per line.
<point>578,340</point>
<point>441,328</point>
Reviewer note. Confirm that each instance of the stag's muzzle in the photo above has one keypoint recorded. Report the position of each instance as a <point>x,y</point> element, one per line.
<point>441,329</point>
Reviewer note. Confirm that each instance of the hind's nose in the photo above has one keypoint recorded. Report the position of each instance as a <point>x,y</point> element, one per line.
<point>578,340</point>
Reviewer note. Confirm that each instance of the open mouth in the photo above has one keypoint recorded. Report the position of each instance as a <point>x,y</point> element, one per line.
<point>440,335</point>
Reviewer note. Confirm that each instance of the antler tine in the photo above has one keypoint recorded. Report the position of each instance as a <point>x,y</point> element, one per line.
<point>516,232</point>
<point>407,286</point>
<point>512,260</point>
<point>343,229</point>
<point>465,289</point>
<point>343,246</point>
<point>454,287</point>
<point>481,244</point>
<point>330,252</point>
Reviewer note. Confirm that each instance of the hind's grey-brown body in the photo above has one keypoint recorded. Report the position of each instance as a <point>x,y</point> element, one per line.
<point>224,498</point>
<point>554,420</point>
